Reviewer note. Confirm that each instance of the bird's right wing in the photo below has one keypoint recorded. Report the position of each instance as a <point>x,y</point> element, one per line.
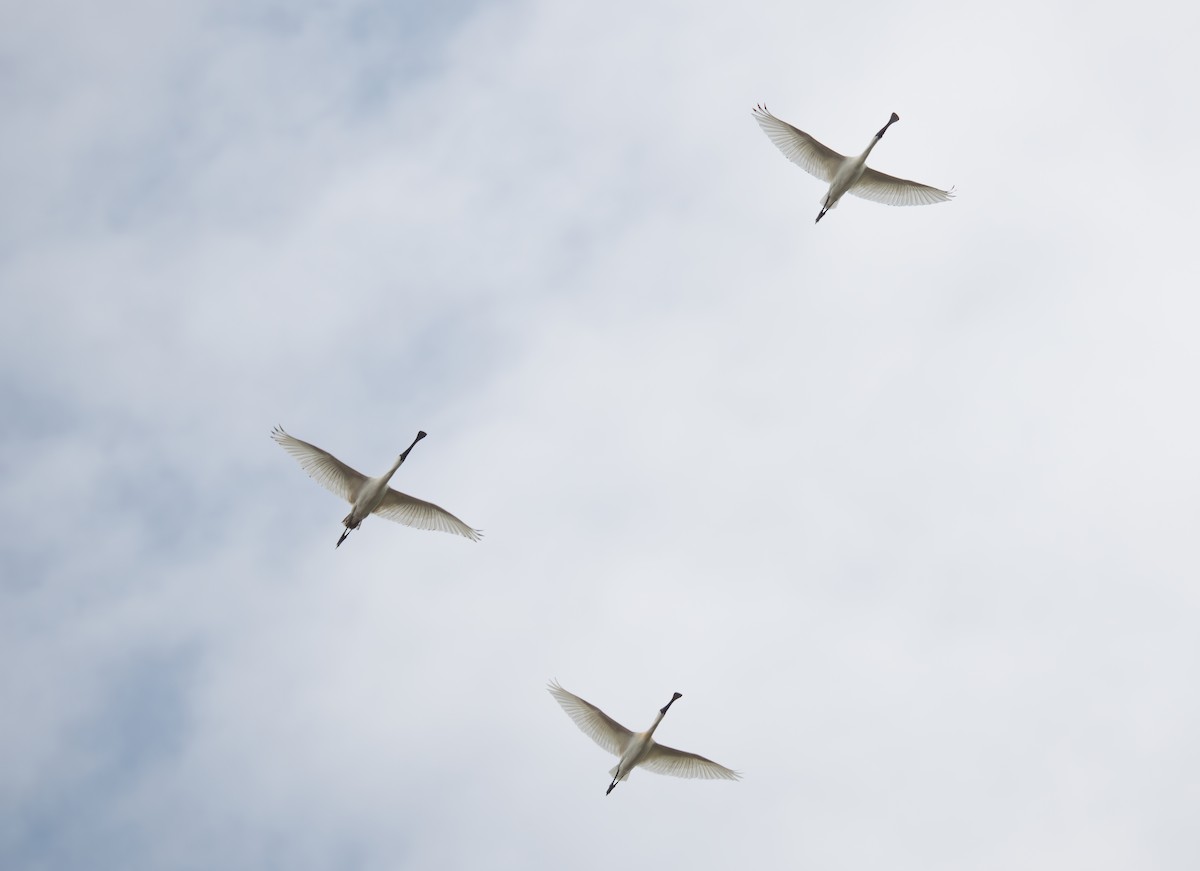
<point>667,760</point>
<point>419,514</point>
<point>592,721</point>
<point>322,466</point>
<point>798,147</point>
<point>879,187</point>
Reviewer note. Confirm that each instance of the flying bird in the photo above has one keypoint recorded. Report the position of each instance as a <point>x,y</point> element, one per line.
<point>636,748</point>
<point>846,174</point>
<point>370,495</point>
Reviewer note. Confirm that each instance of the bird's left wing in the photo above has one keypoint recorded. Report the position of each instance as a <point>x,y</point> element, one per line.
<point>419,514</point>
<point>891,191</point>
<point>322,466</point>
<point>798,147</point>
<point>592,721</point>
<point>677,763</point>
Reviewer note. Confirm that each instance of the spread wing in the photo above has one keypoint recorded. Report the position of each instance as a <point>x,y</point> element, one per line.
<point>891,191</point>
<point>592,721</point>
<point>667,760</point>
<point>322,466</point>
<point>798,147</point>
<point>419,514</point>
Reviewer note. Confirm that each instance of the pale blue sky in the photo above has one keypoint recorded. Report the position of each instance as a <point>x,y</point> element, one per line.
<point>904,503</point>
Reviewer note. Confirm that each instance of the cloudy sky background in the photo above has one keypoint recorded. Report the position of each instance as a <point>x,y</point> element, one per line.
<point>904,504</point>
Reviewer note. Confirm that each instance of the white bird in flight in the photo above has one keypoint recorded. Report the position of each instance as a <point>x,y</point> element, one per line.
<point>636,748</point>
<point>846,174</point>
<point>370,495</point>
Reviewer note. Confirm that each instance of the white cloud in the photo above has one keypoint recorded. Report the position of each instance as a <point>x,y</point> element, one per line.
<point>901,503</point>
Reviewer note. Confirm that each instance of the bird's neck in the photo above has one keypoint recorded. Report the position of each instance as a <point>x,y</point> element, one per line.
<point>387,476</point>
<point>662,713</point>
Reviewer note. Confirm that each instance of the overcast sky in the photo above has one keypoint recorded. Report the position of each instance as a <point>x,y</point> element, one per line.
<point>904,503</point>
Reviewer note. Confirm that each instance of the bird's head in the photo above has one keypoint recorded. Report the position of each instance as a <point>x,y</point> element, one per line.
<point>420,435</point>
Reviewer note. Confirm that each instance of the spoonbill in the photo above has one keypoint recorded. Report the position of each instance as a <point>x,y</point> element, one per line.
<point>846,174</point>
<point>636,748</point>
<point>370,495</point>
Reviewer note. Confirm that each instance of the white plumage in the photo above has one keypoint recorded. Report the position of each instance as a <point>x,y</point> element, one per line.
<point>846,174</point>
<point>371,495</point>
<point>636,748</point>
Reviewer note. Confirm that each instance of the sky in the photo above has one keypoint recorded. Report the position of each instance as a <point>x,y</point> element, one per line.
<point>903,503</point>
